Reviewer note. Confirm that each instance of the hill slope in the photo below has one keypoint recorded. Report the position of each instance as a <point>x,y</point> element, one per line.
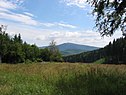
<point>71,48</point>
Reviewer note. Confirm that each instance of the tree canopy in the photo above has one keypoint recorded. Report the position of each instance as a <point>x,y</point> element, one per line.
<point>110,16</point>
<point>14,50</point>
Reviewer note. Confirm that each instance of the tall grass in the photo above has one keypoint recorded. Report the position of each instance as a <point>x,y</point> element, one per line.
<point>62,79</point>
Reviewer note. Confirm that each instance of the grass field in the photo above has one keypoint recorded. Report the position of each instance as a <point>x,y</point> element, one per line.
<point>62,79</point>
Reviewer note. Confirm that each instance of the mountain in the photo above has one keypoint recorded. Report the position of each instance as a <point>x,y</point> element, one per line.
<point>71,48</point>
<point>66,46</point>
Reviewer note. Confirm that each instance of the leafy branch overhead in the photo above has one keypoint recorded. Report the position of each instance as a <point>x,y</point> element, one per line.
<point>110,16</point>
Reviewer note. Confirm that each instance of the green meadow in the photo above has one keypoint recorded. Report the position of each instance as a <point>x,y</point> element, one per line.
<point>62,79</point>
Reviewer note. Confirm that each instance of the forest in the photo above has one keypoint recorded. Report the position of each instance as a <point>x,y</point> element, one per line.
<point>14,50</point>
<point>113,53</point>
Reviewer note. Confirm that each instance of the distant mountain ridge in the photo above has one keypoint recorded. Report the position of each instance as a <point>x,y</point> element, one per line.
<point>66,46</point>
<point>71,48</point>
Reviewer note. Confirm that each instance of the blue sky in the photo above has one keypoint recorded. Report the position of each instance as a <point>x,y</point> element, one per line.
<point>40,21</point>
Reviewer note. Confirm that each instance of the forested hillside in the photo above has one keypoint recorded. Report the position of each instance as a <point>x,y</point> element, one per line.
<point>86,57</point>
<point>115,53</point>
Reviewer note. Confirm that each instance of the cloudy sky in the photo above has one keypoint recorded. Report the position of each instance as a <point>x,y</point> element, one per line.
<point>40,21</point>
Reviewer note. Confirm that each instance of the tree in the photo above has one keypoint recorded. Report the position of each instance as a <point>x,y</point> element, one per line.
<point>3,41</point>
<point>110,16</point>
<point>17,39</point>
<point>52,47</point>
<point>54,51</point>
<point>31,52</point>
<point>14,53</point>
<point>45,54</point>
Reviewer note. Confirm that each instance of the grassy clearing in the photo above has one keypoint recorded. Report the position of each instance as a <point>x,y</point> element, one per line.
<point>62,79</point>
<point>100,61</point>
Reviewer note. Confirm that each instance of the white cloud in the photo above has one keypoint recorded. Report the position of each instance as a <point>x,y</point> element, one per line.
<point>66,25</point>
<point>81,37</point>
<point>42,37</point>
<point>48,24</point>
<point>79,3</point>
<point>56,24</point>
<point>4,10</point>
<point>6,7</point>
<point>28,14</point>
<point>22,18</point>
<point>7,4</point>
<point>10,4</point>
<point>6,13</point>
<point>25,18</point>
<point>28,19</point>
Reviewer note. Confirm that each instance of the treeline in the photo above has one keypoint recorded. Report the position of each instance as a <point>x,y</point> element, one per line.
<point>116,51</point>
<point>14,50</point>
<point>113,53</point>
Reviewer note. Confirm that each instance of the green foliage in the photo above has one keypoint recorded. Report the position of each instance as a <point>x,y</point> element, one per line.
<point>86,57</point>
<point>45,54</point>
<point>13,50</point>
<point>51,53</point>
<point>110,15</point>
<point>62,79</point>
<point>116,52</point>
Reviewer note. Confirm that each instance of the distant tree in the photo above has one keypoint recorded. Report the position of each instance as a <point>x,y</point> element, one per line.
<point>52,47</point>
<point>110,16</point>
<point>17,38</point>
<point>55,54</point>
